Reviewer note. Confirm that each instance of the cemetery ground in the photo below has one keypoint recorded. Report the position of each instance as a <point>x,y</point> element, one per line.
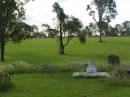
<point>61,84</point>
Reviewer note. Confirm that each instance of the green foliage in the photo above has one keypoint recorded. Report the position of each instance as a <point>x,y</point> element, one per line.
<point>74,66</point>
<point>20,67</point>
<point>105,68</point>
<point>12,27</point>
<point>119,76</point>
<point>115,82</point>
<point>23,67</point>
<point>106,11</point>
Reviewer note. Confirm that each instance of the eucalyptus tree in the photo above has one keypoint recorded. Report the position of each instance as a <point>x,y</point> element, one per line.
<point>51,32</point>
<point>68,27</point>
<point>102,12</point>
<point>12,13</point>
<point>61,16</point>
<point>72,28</point>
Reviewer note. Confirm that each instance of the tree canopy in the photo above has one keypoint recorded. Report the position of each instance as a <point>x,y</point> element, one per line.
<point>12,14</point>
<point>102,12</point>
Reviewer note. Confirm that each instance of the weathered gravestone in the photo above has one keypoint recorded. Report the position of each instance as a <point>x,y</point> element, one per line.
<point>47,68</point>
<point>113,59</point>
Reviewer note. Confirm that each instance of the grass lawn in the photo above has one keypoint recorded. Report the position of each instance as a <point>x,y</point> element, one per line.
<point>62,85</point>
<point>45,51</point>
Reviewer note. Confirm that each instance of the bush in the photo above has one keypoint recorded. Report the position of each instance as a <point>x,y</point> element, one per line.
<point>23,67</point>
<point>20,67</point>
<point>5,81</point>
<point>114,81</point>
<point>105,68</point>
<point>119,76</point>
<point>8,68</point>
<point>72,67</point>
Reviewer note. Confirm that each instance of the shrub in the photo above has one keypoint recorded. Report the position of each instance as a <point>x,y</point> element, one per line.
<point>114,81</point>
<point>23,67</point>
<point>20,67</point>
<point>8,68</point>
<point>119,76</point>
<point>72,67</point>
<point>5,81</point>
<point>105,68</point>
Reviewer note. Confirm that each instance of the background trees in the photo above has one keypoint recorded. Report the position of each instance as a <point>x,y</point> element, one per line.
<point>102,12</point>
<point>11,25</point>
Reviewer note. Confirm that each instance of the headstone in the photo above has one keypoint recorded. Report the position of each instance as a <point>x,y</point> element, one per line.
<point>91,68</point>
<point>113,59</point>
<point>47,68</point>
<point>84,67</point>
<point>127,71</point>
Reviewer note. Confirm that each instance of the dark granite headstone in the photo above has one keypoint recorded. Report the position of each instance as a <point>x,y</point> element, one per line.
<point>128,71</point>
<point>113,59</point>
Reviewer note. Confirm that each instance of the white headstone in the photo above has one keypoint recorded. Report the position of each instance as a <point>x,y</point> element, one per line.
<point>91,68</point>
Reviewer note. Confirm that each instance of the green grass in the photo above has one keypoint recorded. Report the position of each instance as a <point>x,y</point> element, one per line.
<point>41,51</point>
<point>62,85</point>
<point>45,51</point>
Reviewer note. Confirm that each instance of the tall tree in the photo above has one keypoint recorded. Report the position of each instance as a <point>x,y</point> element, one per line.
<point>11,15</point>
<point>68,27</point>
<point>61,16</point>
<point>102,12</point>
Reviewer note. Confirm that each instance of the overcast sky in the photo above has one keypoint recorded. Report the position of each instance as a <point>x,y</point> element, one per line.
<point>40,11</point>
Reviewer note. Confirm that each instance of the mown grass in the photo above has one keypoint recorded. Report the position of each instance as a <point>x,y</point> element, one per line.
<point>45,51</point>
<point>62,85</point>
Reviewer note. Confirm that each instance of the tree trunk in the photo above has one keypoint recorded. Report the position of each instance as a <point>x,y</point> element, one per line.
<point>100,37</point>
<point>61,47</point>
<point>2,46</point>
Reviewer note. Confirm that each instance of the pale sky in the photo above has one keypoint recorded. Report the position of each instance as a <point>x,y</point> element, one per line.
<point>40,11</point>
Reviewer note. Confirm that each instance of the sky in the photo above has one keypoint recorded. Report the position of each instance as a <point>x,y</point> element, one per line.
<point>41,12</point>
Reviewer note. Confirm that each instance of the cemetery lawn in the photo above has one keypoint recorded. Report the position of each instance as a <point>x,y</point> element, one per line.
<point>62,85</point>
<point>45,51</point>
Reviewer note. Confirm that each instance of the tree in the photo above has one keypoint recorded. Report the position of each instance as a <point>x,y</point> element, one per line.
<point>11,26</point>
<point>61,16</point>
<point>51,32</point>
<point>68,27</point>
<point>93,29</point>
<point>126,28</point>
<point>102,12</point>
<point>72,28</point>
<point>118,29</point>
